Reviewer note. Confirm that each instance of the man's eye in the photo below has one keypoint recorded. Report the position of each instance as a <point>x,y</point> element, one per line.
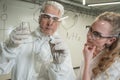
<point>96,34</point>
<point>55,18</point>
<point>46,16</point>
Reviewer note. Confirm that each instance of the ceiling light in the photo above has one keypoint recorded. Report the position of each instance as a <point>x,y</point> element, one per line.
<point>101,4</point>
<point>83,2</point>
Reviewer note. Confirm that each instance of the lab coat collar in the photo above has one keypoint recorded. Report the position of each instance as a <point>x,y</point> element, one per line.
<point>41,35</point>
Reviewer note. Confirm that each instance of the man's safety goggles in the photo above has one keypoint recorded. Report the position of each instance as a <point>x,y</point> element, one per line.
<point>53,17</point>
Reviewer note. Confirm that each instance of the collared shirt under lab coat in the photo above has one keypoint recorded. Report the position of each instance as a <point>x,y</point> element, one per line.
<point>112,73</point>
<point>33,61</point>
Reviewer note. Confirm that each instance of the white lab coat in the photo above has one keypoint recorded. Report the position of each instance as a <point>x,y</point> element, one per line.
<point>33,61</point>
<point>112,73</point>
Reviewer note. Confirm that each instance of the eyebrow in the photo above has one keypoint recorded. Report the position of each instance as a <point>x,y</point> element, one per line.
<point>95,30</point>
<point>52,15</point>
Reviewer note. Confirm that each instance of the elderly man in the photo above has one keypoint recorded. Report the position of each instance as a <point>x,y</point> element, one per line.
<point>38,55</point>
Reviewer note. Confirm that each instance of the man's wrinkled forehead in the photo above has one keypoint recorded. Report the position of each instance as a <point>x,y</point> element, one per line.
<point>51,8</point>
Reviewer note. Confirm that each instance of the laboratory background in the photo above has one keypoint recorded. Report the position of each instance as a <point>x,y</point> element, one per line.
<point>79,13</point>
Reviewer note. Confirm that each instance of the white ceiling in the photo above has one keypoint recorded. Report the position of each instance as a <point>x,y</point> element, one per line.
<point>97,1</point>
<point>115,7</point>
<point>76,5</point>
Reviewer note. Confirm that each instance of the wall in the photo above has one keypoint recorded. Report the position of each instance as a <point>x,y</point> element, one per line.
<point>13,12</point>
<point>74,31</point>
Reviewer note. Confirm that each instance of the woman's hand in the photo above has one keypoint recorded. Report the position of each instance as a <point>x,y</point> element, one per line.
<point>88,51</point>
<point>88,55</point>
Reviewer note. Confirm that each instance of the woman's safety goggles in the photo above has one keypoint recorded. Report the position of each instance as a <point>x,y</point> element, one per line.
<point>97,35</point>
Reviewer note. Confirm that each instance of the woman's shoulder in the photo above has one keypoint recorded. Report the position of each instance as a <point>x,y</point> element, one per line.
<point>115,67</point>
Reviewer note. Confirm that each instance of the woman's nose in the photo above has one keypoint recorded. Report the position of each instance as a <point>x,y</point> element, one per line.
<point>89,36</point>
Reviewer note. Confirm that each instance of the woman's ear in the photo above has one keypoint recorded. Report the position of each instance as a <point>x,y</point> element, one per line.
<point>111,40</point>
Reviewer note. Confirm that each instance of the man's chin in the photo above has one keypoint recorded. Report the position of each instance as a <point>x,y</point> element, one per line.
<point>48,33</point>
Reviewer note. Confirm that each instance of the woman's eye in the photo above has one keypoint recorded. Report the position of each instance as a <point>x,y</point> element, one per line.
<point>96,34</point>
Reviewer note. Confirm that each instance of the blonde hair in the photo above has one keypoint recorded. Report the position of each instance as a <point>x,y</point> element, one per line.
<point>111,52</point>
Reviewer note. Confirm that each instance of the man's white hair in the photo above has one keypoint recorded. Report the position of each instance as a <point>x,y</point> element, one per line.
<point>55,4</point>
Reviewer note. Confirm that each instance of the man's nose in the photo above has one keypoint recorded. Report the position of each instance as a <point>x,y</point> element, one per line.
<point>50,21</point>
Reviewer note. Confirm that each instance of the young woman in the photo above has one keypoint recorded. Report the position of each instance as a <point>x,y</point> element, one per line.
<point>102,49</point>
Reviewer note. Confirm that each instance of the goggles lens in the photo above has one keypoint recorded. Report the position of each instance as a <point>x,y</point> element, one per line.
<point>49,16</point>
